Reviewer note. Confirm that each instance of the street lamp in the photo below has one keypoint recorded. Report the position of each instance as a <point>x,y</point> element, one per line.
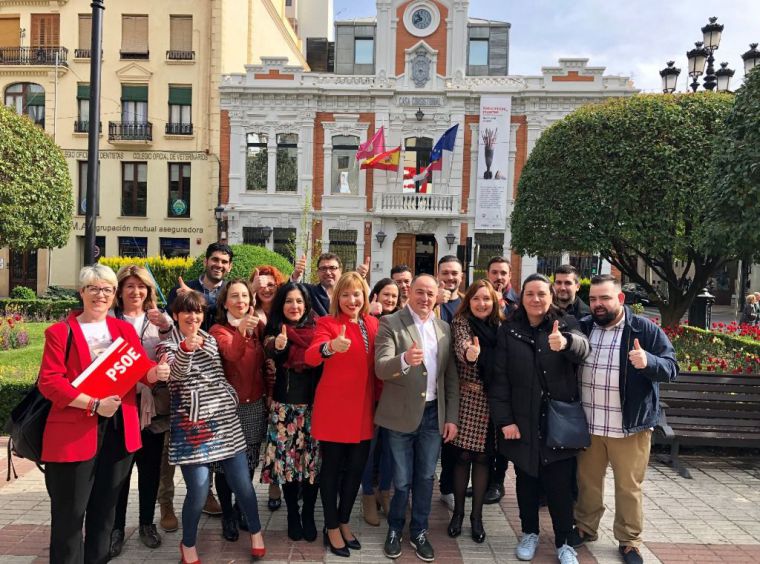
<point>669,77</point>
<point>751,58</point>
<point>266,232</point>
<point>218,214</point>
<point>450,238</point>
<point>380,236</point>
<point>723,76</point>
<point>697,58</point>
<point>711,38</point>
<point>419,114</point>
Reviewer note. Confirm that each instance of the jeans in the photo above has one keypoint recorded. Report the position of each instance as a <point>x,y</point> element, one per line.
<point>379,457</point>
<point>197,479</point>
<point>414,455</point>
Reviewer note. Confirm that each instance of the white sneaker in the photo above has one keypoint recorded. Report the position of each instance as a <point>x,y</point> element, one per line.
<point>567,554</point>
<point>448,500</point>
<point>526,548</point>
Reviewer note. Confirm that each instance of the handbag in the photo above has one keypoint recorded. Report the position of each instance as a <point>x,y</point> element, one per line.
<point>26,423</point>
<point>566,425</point>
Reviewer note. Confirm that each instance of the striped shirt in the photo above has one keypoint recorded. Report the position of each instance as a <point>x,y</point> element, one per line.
<point>600,381</point>
<point>204,422</point>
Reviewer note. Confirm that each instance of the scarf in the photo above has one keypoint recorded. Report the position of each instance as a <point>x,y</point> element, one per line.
<point>299,339</point>
<point>486,334</point>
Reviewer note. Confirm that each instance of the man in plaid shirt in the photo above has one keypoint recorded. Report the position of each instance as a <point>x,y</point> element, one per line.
<point>619,382</point>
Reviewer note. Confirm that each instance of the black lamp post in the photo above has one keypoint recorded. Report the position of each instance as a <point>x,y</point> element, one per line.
<point>697,58</point>
<point>380,236</point>
<point>723,77</point>
<point>711,38</point>
<point>218,214</point>
<point>669,77</point>
<point>419,114</point>
<point>751,58</point>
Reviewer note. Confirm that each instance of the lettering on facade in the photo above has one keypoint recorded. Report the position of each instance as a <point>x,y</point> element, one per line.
<point>419,101</point>
<point>122,228</point>
<point>141,155</point>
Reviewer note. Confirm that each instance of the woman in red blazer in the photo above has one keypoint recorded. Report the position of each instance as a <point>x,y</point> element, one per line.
<point>88,442</point>
<point>344,403</point>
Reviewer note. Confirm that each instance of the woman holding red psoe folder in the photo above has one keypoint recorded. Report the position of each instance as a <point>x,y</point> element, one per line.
<point>88,442</point>
<point>205,427</point>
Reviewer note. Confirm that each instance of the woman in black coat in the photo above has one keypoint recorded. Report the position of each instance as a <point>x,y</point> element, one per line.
<point>538,348</point>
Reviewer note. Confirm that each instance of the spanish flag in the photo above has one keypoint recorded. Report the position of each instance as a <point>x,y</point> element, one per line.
<point>384,161</point>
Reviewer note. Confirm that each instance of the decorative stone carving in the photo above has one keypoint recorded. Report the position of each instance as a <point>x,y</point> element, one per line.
<point>415,226</point>
<point>420,67</point>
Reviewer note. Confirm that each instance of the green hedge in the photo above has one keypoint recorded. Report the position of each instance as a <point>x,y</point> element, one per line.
<point>165,270</point>
<point>246,258</point>
<point>23,293</point>
<point>12,391</point>
<point>747,343</point>
<point>39,310</point>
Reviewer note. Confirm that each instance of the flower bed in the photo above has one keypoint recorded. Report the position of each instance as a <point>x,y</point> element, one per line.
<point>728,348</point>
<point>13,333</point>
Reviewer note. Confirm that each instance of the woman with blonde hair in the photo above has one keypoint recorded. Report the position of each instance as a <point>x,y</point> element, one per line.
<point>344,343</point>
<point>749,313</point>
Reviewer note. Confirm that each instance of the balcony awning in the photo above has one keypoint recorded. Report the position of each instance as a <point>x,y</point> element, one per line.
<point>130,93</point>
<point>181,95</point>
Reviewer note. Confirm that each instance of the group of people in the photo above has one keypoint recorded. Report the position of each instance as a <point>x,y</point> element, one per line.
<point>751,311</point>
<point>348,388</point>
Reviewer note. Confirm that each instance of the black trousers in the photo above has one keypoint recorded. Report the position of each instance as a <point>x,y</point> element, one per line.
<point>86,492</point>
<point>448,462</point>
<point>148,461</point>
<point>339,479</point>
<point>556,480</point>
<point>499,464</point>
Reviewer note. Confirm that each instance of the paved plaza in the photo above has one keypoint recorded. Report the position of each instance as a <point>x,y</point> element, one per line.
<point>713,518</point>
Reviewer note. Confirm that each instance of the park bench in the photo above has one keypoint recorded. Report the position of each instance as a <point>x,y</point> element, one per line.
<point>704,409</point>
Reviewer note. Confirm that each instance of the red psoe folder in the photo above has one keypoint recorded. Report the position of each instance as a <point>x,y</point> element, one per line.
<point>114,372</point>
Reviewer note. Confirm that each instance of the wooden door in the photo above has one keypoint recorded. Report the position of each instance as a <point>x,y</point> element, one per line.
<point>10,29</point>
<point>45,30</point>
<point>23,269</point>
<point>404,250</point>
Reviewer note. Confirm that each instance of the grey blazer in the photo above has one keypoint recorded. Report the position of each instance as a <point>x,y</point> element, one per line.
<point>402,402</point>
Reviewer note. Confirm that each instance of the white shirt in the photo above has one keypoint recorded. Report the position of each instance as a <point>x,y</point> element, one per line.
<point>97,336</point>
<point>429,345</point>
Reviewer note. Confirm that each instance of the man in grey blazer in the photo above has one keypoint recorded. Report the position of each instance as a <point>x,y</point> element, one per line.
<point>418,406</point>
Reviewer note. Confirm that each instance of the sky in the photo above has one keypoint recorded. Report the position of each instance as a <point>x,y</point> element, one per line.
<point>632,38</point>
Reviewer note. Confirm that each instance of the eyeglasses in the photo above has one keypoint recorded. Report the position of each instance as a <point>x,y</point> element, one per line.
<point>95,290</point>
<point>328,268</point>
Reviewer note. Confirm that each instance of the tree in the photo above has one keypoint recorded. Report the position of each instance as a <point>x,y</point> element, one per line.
<point>629,179</point>
<point>735,214</point>
<point>36,202</point>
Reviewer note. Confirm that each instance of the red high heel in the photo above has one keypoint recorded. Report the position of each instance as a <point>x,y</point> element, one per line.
<point>258,553</point>
<point>182,555</point>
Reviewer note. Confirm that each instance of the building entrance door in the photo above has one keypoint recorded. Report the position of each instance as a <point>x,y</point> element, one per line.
<point>418,252</point>
<point>23,269</point>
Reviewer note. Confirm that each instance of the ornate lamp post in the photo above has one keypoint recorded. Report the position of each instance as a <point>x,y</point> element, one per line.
<point>751,58</point>
<point>711,38</point>
<point>697,58</point>
<point>723,77</point>
<point>669,77</point>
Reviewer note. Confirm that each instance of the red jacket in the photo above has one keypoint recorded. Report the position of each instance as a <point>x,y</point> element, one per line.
<point>242,359</point>
<point>70,434</point>
<point>344,403</point>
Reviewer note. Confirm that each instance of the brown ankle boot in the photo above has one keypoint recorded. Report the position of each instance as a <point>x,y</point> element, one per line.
<point>385,501</point>
<point>168,518</point>
<point>369,510</point>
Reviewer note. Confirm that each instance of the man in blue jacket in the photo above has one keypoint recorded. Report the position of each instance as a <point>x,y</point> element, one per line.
<point>620,392</point>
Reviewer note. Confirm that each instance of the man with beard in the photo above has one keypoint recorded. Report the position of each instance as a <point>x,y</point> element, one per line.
<point>566,286</point>
<point>329,271</point>
<point>401,274</point>
<point>449,278</point>
<point>620,382</point>
<point>499,273</point>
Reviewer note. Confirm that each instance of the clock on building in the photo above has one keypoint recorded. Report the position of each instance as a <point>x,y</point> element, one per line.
<point>421,18</point>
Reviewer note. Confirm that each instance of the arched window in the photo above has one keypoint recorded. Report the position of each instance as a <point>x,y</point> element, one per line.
<point>28,99</point>
<point>345,168</point>
<point>417,157</point>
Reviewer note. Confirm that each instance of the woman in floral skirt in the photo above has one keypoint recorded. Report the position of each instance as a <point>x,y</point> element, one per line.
<point>292,455</point>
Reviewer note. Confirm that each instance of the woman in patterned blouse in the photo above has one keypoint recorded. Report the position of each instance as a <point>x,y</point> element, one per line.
<point>205,427</point>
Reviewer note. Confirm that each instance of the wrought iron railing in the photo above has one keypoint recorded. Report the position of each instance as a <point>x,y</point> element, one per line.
<point>130,131</point>
<point>33,55</point>
<point>84,126</point>
<point>174,55</point>
<point>179,128</point>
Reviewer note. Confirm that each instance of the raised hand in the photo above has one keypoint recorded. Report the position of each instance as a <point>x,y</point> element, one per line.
<point>444,295</point>
<point>340,343</point>
<point>557,340</point>
<point>414,356</point>
<point>511,432</point>
<point>473,350</point>
<point>109,405</point>
<point>160,372</point>
<point>249,322</point>
<point>157,318</point>
<point>363,269</point>
<point>193,342</point>
<point>281,341</point>
<point>375,307</point>
<point>299,269</point>
<point>255,282</point>
<point>638,356</point>
<point>183,288</point>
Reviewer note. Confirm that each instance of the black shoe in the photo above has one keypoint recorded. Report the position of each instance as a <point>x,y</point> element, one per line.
<point>477,531</point>
<point>468,492</point>
<point>422,547</point>
<point>308,526</point>
<point>455,525</point>
<point>392,546</point>
<point>353,544</point>
<point>494,493</point>
<point>229,528</point>
<point>577,537</point>
<point>242,522</point>
<point>274,504</point>
<point>342,551</point>
<point>149,536</point>
<point>117,542</point>
<point>631,555</point>
<point>295,530</point>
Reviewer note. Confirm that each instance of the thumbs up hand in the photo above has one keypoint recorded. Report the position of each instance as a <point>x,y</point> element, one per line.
<point>414,356</point>
<point>557,341</point>
<point>249,322</point>
<point>281,341</point>
<point>160,371</point>
<point>473,350</point>
<point>299,269</point>
<point>363,269</point>
<point>340,343</point>
<point>375,307</point>
<point>444,295</point>
<point>183,288</point>
<point>638,356</point>
<point>255,282</point>
<point>159,319</point>
<point>192,342</point>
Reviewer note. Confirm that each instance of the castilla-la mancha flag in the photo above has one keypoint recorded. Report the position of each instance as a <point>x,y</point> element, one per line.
<point>114,372</point>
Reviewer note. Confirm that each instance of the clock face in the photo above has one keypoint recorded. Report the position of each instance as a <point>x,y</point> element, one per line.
<point>421,18</point>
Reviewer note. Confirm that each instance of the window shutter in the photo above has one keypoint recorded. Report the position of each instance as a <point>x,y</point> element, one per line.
<point>10,32</point>
<point>35,99</point>
<point>134,34</point>
<point>83,91</point>
<point>85,31</point>
<point>45,30</point>
<point>181,33</point>
<point>131,93</point>
<point>181,95</point>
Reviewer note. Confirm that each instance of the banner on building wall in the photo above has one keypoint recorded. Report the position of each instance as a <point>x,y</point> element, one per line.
<point>493,163</point>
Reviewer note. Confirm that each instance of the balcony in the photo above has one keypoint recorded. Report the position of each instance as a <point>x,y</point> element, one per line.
<point>84,126</point>
<point>82,53</point>
<point>129,131</point>
<point>33,56</point>
<point>175,55</point>
<point>416,205</point>
<point>179,128</point>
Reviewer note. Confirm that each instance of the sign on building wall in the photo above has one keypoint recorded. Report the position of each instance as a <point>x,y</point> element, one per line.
<point>493,163</point>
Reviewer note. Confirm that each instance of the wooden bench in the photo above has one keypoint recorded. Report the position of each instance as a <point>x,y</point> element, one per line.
<point>703,409</point>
